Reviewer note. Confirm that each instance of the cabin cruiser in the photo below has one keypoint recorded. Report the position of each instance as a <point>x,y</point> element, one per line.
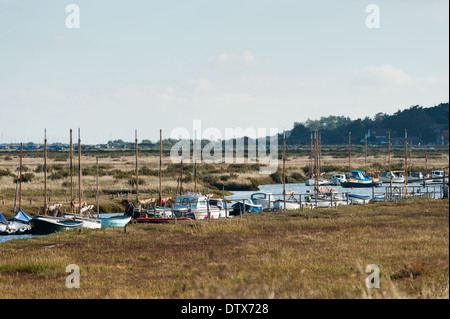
<point>356,178</point>
<point>418,177</point>
<point>389,177</point>
<point>320,181</point>
<point>266,200</point>
<point>338,179</point>
<point>438,176</point>
<point>199,206</point>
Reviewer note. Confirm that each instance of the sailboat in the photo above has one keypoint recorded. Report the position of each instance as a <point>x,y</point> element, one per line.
<point>45,224</point>
<point>20,223</point>
<point>84,210</point>
<point>160,213</point>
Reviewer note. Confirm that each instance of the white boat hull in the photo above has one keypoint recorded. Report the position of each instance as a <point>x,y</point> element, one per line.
<point>286,205</point>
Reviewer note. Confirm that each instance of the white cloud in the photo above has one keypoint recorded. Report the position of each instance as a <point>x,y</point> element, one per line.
<point>387,78</point>
<point>246,57</point>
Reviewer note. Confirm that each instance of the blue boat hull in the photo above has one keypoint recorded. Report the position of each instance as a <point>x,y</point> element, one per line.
<point>360,185</point>
<point>117,221</point>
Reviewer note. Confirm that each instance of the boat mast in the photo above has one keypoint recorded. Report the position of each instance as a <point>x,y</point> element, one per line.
<point>349,150</point>
<point>284,169</point>
<point>45,172</point>
<point>316,154</point>
<point>195,162</point>
<point>20,178</point>
<point>365,153</point>
<point>389,152</point>
<point>98,197</point>
<point>79,171</point>
<point>71,172</point>
<point>311,157</point>
<point>406,160</point>
<point>181,178</point>
<point>137,168</point>
<point>160,166</point>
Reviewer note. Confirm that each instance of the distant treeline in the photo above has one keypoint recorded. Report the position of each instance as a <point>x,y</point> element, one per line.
<point>422,124</point>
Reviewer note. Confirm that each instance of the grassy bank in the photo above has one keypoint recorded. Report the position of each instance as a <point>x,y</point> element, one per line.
<point>322,254</point>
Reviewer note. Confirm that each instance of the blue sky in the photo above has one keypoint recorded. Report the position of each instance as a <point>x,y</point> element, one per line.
<point>151,65</point>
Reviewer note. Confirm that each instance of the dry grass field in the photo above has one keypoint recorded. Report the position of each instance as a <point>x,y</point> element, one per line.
<point>318,254</point>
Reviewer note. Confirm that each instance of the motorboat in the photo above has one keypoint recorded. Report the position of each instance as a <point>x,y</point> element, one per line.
<point>337,179</point>
<point>247,206</point>
<point>356,178</point>
<point>418,177</point>
<point>438,176</point>
<point>356,199</point>
<point>389,177</point>
<point>320,181</point>
<point>197,206</point>
<point>266,200</point>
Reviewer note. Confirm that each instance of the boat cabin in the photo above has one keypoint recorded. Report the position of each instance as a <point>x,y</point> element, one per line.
<point>264,199</point>
<point>358,175</point>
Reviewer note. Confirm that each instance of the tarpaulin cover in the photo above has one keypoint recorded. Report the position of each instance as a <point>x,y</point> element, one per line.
<point>2,219</point>
<point>21,216</point>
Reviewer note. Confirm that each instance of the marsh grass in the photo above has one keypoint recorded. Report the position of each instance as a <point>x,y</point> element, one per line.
<point>321,254</point>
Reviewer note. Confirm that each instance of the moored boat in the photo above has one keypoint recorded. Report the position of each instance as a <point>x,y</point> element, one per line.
<point>20,223</point>
<point>390,177</point>
<point>356,199</point>
<point>43,225</point>
<point>337,179</point>
<point>197,206</point>
<point>356,178</point>
<point>247,207</point>
<point>115,221</point>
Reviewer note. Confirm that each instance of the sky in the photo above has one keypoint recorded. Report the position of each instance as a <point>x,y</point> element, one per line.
<point>149,65</point>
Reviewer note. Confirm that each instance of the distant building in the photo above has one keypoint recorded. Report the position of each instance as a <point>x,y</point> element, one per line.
<point>379,133</point>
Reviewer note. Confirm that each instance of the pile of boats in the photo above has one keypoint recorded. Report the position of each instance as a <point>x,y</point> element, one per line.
<point>21,223</point>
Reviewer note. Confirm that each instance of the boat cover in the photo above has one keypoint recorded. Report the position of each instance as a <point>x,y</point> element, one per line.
<point>3,219</point>
<point>21,216</point>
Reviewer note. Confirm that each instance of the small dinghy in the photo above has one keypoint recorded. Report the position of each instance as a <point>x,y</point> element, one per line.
<point>358,199</point>
<point>43,225</point>
<point>115,221</point>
